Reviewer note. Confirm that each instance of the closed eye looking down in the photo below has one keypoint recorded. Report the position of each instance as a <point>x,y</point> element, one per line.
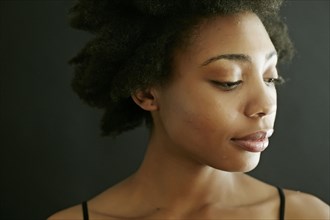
<point>227,86</point>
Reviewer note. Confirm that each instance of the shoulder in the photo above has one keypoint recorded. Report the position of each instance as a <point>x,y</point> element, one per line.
<point>301,205</point>
<point>74,212</point>
<point>112,200</point>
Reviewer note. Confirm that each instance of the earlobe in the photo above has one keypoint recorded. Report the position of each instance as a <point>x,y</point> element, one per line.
<point>145,99</point>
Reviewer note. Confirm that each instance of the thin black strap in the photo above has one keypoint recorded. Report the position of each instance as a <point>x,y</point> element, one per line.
<point>282,202</point>
<point>85,210</point>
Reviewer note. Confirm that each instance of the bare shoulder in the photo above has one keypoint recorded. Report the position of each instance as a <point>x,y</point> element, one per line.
<point>301,205</point>
<point>71,213</point>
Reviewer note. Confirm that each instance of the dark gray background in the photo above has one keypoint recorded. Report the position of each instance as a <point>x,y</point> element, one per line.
<point>52,155</point>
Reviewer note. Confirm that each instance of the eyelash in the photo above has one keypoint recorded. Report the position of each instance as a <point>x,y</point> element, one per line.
<point>275,81</point>
<point>227,86</point>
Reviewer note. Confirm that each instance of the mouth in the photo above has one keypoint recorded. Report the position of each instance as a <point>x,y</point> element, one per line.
<point>255,142</point>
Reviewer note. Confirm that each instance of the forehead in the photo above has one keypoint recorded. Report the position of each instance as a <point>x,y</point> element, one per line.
<point>241,33</point>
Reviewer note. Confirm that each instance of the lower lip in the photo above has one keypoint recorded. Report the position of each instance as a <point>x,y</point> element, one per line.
<point>252,146</point>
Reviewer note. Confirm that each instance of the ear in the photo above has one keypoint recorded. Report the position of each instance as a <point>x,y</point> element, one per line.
<point>146,99</point>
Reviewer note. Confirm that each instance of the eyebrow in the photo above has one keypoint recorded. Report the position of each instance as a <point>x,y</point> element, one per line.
<point>236,57</point>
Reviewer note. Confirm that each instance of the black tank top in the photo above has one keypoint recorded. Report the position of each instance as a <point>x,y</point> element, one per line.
<point>281,211</point>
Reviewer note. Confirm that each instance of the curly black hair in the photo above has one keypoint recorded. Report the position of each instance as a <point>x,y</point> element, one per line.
<point>134,43</point>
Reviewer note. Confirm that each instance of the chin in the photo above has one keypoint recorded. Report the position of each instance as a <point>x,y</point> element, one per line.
<point>242,165</point>
<point>248,167</point>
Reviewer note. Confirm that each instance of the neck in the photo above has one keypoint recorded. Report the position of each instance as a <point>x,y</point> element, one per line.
<point>170,178</point>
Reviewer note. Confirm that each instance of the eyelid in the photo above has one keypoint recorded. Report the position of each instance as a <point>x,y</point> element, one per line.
<point>275,81</point>
<point>227,86</point>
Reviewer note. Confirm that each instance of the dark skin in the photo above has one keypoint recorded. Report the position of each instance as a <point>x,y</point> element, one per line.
<point>193,169</point>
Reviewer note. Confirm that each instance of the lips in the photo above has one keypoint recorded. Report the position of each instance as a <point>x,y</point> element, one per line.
<point>255,142</point>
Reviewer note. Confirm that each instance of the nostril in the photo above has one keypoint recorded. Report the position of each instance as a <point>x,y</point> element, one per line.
<point>260,109</point>
<point>258,115</point>
<point>261,114</point>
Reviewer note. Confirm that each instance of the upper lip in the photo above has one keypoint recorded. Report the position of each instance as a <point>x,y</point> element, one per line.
<point>256,136</point>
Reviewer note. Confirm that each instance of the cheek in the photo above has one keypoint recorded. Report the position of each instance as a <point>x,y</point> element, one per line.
<point>200,120</point>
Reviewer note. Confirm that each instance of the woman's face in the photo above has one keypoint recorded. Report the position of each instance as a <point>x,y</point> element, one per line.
<point>220,107</point>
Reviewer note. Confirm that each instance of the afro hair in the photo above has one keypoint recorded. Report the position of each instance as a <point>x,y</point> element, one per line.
<point>133,43</point>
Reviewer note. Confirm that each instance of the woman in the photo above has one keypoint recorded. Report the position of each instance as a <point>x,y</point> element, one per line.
<point>202,75</point>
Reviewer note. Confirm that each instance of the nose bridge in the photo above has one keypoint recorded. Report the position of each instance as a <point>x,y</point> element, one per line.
<point>261,100</point>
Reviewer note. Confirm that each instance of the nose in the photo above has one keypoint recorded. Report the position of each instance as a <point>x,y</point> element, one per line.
<point>261,101</point>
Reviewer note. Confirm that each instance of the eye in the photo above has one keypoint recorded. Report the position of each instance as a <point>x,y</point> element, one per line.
<point>227,85</point>
<point>274,81</point>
